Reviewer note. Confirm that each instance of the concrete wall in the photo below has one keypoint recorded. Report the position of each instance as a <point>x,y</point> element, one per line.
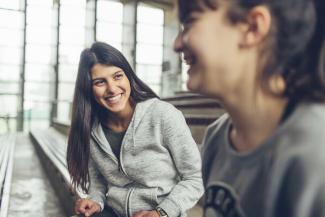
<point>171,75</point>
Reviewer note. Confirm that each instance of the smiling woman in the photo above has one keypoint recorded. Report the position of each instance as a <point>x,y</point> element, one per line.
<point>264,61</point>
<point>131,152</point>
<point>111,89</point>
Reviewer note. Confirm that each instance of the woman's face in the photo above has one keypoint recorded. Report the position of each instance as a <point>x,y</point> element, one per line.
<point>111,88</point>
<point>210,45</point>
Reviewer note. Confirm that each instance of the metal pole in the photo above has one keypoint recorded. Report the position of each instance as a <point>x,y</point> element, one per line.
<point>20,117</point>
<point>135,34</point>
<point>95,25</point>
<point>56,68</point>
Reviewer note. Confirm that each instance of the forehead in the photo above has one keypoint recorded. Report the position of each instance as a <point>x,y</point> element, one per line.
<point>102,70</point>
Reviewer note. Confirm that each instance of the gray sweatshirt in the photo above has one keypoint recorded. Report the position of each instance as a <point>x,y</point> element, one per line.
<point>159,165</point>
<point>283,177</point>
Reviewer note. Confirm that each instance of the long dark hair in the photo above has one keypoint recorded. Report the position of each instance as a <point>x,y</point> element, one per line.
<point>85,109</point>
<point>296,42</point>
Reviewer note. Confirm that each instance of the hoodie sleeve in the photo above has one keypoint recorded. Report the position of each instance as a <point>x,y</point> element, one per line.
<point>97,188</point>
<point>186,157</point>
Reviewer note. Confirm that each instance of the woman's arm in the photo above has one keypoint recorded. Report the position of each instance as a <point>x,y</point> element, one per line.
<point>186,157</point>
<point>98,186</point>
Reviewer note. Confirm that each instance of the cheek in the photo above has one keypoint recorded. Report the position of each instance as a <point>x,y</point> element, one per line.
<point>204,53</point>
<point>126,85</point>
<point>97,93</point>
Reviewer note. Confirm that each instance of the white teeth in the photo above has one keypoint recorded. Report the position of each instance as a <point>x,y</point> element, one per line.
<point>113,99</point>
<point>189,60</point>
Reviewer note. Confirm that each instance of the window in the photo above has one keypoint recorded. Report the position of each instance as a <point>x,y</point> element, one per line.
<point>149,45</point>
<point>11,4</point>
<point>109,23</point>
<point>40,61</point>
<point>71,43</point>
<point>11,56</point>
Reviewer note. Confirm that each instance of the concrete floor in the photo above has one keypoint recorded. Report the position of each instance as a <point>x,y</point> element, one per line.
<point>31,192</point>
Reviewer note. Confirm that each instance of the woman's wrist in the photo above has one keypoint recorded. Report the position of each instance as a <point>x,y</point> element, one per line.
<point>161,212</point>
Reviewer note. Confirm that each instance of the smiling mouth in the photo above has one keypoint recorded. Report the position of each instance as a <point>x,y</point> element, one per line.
<point>114,99</point>
<point>189,60</point>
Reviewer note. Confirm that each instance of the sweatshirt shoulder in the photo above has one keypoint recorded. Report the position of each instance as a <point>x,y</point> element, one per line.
<point>305,127</point>
<point>163,107</point>
<point>302,138</point>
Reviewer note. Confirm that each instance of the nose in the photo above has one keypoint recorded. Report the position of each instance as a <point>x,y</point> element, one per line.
<point>111,87</point>
<point>178,43</point>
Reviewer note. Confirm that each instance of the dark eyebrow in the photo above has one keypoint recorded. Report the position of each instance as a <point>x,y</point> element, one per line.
<point>186,11</point>
<point>97,79</point>
<point>117,72</point>
<point>101,78</point>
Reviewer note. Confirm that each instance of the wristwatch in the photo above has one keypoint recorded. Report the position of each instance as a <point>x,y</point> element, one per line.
<point>161,212</point>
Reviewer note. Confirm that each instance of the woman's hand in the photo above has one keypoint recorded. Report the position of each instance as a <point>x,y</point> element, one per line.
<point>151,213</point>
<point>86,207</point>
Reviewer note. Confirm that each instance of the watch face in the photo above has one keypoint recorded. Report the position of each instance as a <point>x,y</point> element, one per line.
<point>162,212</point>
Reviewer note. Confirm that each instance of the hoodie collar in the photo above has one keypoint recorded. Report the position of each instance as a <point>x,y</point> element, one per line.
<point>140,110</point>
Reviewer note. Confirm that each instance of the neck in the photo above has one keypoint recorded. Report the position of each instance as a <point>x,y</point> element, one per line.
<point>119,122</point>
<point>254,120</point>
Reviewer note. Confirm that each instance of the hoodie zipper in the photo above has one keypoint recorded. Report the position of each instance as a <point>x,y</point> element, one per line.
<point>127,207</point>
<point>113,157</point>
<point>120,168</point>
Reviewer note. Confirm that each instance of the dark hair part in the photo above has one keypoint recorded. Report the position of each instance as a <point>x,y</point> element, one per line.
<point>85,109</point>
<point>295,47</point>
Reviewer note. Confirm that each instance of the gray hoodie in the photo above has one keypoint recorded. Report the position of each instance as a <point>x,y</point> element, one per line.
<point>159,165</point>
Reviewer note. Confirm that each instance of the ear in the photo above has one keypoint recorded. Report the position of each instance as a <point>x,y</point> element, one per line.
<point>256,27</point>
<point>277,84</point>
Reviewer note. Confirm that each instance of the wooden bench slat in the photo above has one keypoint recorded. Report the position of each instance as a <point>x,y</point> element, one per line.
<point>8,177</point>
<point>52,154</point>
<point>4,156</point>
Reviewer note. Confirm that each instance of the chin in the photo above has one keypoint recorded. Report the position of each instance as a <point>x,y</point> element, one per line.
<point>193,83</point>
<point>193,87</point>
<point>115,110</point>
<point>118,107</point>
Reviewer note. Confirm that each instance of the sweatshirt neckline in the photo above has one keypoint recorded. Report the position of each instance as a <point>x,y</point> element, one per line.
<point>264,146</point>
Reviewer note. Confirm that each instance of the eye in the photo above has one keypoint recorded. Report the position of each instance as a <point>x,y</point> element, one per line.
<point>190,20</point>
<point>98,82</point>
<point>118,76</point>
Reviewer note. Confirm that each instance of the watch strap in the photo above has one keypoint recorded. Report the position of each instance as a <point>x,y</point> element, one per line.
<point>161,212</point>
